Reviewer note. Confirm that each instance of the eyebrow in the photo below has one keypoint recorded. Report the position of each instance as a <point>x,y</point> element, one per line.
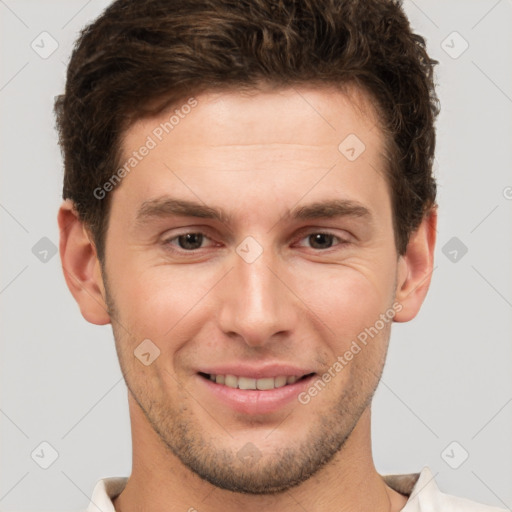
<point>329,209</point>
<point>167,207</point>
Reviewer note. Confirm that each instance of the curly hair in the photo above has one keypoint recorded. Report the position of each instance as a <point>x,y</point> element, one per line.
<point>140,56</point>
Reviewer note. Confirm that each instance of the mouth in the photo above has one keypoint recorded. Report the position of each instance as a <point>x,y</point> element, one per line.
<point>248,383</point>
<point>254,390</point>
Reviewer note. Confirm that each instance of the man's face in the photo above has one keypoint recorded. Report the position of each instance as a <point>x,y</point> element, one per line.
<point>270,289</point>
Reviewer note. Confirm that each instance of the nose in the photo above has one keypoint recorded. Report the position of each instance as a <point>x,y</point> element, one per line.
<point>256,305</point>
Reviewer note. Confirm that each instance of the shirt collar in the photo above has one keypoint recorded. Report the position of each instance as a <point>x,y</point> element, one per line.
<point>420,488</point>
<point>104,492</point>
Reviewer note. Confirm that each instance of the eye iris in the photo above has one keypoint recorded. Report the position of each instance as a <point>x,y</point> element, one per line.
<point>190,241</point>
<point>321,240</point>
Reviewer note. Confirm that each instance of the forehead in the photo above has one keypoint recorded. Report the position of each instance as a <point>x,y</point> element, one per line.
<point>308,115</point>
<point>277,142</point>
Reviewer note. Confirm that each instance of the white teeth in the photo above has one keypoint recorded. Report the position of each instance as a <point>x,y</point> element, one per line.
<point>267,383</point>
<point>249,383</point>
<point>231,381</point>
<point>246,383</point>
<point>279,382</point>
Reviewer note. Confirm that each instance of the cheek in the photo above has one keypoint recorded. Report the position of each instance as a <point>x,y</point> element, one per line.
<point>347,299</point>
<point>154,301</point>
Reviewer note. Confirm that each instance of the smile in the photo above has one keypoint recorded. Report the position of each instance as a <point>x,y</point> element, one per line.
<point>262,384</point>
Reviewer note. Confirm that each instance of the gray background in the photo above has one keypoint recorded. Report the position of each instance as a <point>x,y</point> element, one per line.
<point>448,375</point>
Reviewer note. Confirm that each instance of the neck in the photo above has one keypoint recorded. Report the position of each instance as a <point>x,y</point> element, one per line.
<point>161,483</point>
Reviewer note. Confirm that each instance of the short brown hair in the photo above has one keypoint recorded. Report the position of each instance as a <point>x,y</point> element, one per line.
<point>139,52</point>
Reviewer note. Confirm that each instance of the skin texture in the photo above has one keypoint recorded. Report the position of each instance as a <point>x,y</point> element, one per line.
<point>256,156</point>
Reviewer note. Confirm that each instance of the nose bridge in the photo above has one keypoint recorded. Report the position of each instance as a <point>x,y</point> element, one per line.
<point>256,304</point>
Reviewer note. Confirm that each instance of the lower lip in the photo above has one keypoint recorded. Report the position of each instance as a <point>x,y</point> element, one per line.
<point>253,401</point>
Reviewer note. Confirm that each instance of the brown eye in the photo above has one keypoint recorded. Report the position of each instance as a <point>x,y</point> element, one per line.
<point>321,240</point>
<point>190,241</point>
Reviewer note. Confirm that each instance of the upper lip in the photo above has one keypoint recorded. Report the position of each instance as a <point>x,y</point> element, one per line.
<point>257,372</point>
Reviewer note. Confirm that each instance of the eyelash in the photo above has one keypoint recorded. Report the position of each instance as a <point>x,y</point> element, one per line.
<point>167,242</point>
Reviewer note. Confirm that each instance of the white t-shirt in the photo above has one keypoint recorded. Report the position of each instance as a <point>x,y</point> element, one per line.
<point>421,488</point>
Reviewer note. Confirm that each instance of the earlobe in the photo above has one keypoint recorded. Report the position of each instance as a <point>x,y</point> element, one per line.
<point>415,268</point>
<point>81,267</point>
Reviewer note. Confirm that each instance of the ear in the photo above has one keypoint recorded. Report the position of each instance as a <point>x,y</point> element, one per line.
<point>81,267</point>
<point>415,268</point>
